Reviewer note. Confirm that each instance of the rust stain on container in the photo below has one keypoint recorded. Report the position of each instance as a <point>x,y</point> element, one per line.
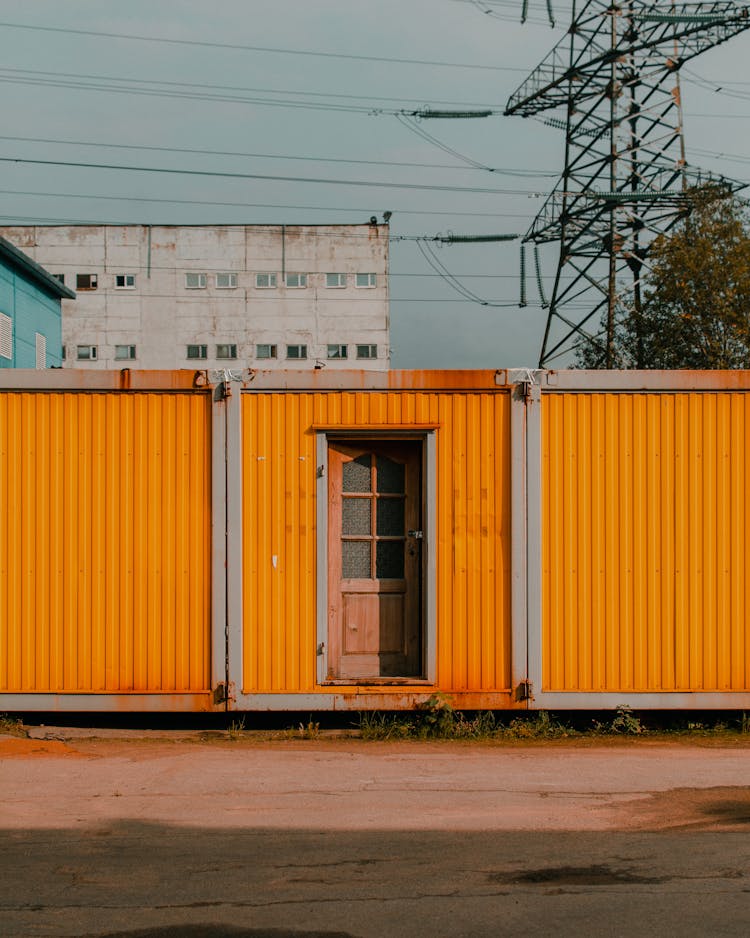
<point>646,520</point>
<point>105,542</point>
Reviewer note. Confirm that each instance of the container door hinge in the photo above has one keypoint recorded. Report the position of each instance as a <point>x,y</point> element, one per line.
<point>524,691</point>
<point>223,692</point>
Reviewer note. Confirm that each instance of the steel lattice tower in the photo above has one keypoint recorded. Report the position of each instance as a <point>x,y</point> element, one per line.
<point>614,82</point>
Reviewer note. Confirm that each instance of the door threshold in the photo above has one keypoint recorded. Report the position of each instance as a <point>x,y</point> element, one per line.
<point>379,682</point>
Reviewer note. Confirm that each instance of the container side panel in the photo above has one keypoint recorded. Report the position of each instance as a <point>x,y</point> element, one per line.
<point>645,526</point>
<point>105,545</point>
<point>279,530</point>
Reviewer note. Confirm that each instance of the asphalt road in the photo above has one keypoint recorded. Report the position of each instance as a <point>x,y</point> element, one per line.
<point>352,839</point>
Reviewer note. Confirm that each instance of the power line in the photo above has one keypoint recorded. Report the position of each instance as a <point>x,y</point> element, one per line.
<point>277,301</point>
<point>729,157</point>
<point>268,177</point>
<point>165,88</point>
<point>741,117</point>
<point>268,49</point>
<point>437,265</point>
<point>338,299</point>
<point>414,127</point>
<point>213,98</point>
<point>47,220</point>
<point>705,85</point>
<point>348,230</point>
<point>226,294</point>
<point>506,171</point>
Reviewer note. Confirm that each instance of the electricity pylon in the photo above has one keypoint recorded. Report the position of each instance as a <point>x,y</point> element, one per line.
<point>614,82</point>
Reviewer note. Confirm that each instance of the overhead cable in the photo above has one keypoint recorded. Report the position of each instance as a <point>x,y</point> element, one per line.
<point>265,176</point>
<point>269,49</point>
<point>501,170</point>
<point>437,265</point>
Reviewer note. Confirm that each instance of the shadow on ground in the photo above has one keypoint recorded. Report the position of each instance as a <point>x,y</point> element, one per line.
<point>131,879</point>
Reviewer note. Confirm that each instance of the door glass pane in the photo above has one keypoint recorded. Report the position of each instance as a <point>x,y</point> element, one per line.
<point>389,560</point>
<point>390,476</point>
<point>356,516</point>
<point>355,560</point>
<point>357,474</point>
<point>390,513</point>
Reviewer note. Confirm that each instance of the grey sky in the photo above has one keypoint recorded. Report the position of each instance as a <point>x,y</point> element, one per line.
<point>431,325</point>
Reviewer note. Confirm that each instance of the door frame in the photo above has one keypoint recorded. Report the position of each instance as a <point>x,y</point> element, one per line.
<point>427,437</point>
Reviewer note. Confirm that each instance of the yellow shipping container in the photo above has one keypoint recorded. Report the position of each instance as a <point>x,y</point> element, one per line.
<point>105,542</point>
<point>645,527</point>
<point>331,540</point>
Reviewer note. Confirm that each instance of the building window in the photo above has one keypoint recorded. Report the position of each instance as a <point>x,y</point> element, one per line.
<point>367,351</point>
<point>265,351</point>
<point>365,280</point>
<point>124,353</point>
<point>226,281</point>
<point>40,344</point>
<point>335,280</point>
<point>86,353</point>
<point>6,336</point>
<point>337,351</point>
<point>296,281</point>
<point>195,281</point>
<point>265,281</point>
<point>86,281</point>
<point>296,351</point>
<point>60,277</point>
<point>226,351</point>
<point>197,351</point>
<point>125,281</point>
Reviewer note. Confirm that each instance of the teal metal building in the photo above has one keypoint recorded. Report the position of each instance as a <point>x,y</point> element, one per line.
<point>30,312</point>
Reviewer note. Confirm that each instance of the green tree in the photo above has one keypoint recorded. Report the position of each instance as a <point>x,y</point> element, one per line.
<point>696,303</point>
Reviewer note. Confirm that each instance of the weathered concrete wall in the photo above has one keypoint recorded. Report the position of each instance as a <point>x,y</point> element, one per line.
<point>161,316</point>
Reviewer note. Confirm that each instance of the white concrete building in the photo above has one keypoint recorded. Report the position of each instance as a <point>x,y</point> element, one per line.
<point>218,296</point>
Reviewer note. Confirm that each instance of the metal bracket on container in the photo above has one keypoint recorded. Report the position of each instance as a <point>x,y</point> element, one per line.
<point>524,691</point>
<point>528,381</point>
<point>224,692</point>
<point>222,378</point>
<point>220,693</point>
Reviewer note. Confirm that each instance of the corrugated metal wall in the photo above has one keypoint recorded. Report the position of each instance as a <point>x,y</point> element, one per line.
<point>105,542</point>
<point>279,521</point>
<point>646,520</point>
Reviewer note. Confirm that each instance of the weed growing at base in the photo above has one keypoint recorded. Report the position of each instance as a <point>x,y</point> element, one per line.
<point>624,723</point>
<point>436,719</point>
<point>11,726</point>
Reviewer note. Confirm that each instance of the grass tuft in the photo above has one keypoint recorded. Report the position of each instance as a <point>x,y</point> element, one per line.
<point>11,726</point>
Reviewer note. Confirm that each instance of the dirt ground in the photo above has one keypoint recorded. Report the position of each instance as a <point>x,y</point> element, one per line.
<point>189,834</point>
<point>608,784</point>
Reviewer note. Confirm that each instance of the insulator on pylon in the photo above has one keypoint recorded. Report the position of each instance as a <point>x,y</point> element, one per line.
<point>542,298</point>
<point>522,298</point>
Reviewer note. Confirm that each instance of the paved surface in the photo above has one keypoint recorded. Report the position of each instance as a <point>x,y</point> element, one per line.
<point>188,838</point>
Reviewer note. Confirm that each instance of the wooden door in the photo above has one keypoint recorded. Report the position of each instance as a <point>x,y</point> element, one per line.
<point>374,560</point>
